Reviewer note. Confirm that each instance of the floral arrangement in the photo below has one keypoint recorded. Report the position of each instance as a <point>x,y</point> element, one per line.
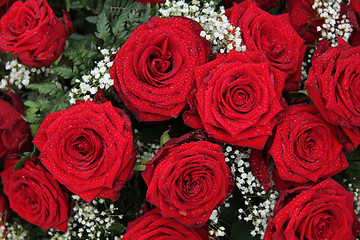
<point>153,119</point>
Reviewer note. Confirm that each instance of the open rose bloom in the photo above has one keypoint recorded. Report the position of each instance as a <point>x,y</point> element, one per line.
<point>324,211</point>
<point>187,179</point>
<point>31,31</point>
<point>153,72</point>
<point>180,119</point>
<point>88,148</point>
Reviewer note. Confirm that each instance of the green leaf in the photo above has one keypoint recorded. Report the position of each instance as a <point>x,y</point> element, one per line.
<point>92,19</point>
<point>63,71</point>
<point>145,160</point>
<point>35,118</point>
<point>139,167</point>
<point>47,88</point>
<point>117,228</point>
<point>303,92</point>
<point>34,128</point>
<point>31,111</point>
<point>103,28</point>
<point>164,138</point>
<point>26,156</point>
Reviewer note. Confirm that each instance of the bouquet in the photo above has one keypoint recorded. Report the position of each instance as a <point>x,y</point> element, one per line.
<point>154,119</point>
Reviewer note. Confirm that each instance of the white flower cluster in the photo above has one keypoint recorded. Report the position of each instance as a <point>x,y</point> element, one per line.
<point>306,63</point>
<point>147,150</point>
<point>218,31</point>
<point>16,231</point>
<point>215,228</point>
<point>250,188</point>
<point>99,77</point>
<point>335,24</point>
<point>88,221</point>
<point>20,75</point>
<point>356,192</point>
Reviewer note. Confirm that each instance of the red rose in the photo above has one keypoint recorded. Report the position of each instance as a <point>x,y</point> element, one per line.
<point>32,31</point>
<point>333,85</point>
<point>237,99</point>
<point>88,148</point>
<point>274,35</point>
<point>263,4</point>
<point>35,195</point>
<point>4,6</point>
<point>153,72</point>
<point>304,19</point>
<point>153,226</point>
<point>187,179</point>
<point>303,150</point>
<point>4,215</point>
<point>324,211</point>
<point>15,136</point>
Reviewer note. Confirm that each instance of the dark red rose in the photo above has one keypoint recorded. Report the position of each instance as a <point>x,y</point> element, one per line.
<point>4,215</point>
<point>88,148</point>
<point>152,2</point>
<point>188,179</point>
<point>324,211</point>
<point>154,226</point>
<point>237,99</point>
<point>304,19</point>
<point>15,136</point>
<point>35,195</point>
<point>304,150</point>
<point>274,35</point>
<point>5,5</point>
<point>153,72</point>
<point>333,85</point>
<point>31,31</point>
<point>263,4</point>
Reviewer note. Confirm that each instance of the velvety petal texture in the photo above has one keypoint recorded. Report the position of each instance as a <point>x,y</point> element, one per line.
<point>333,85</point>
<point>88,148</point>
<point>325,211</point>
<point>35,195</point>
<point>152,225</point>
<point>5,5</point>
<point>153,72</point>
<point>15,136</point>
<point>304,20</point>
<point>304,149</point>
<point>236,100</point>
<point>187,180</point>
<point>31,31</point>
<point>272,34</point>
<point>263,4</point>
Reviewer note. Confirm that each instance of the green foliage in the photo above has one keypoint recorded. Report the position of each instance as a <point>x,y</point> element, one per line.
<point>164,137</point>
<point>118,19</point>
<point>103,29</point>
<point>26,156</point>
<point>354,167</point>
<point>83,58</point>
<point>51,88</point>
<point>51,98</point>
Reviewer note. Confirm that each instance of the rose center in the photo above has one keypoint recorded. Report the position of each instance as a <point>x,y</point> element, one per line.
<point>308,146</point>
<point>323,229</point>
<point>161,65</point>
<point>240,98</point>
<point>84,148</point>
<point>158,63</point>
